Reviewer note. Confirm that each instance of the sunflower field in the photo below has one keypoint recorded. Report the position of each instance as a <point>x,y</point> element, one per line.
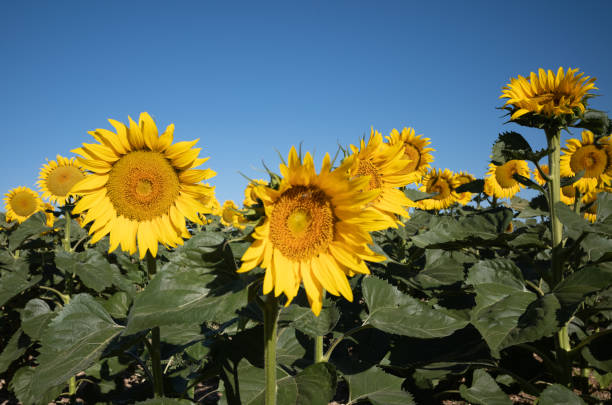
<point>370,277</point>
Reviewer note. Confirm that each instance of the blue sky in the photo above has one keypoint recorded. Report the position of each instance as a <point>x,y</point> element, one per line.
<point>251,78</point>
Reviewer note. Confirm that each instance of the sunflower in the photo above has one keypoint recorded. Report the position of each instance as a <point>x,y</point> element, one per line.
<point>538,177</point>
<point>501,181</point>
<point>142,187</point>
<point>210,202</point>
<point>230,216</point>
<point>387,169</point>
<point>548,94</point>
<point>415,149</point>
<point>250,192</point>
<point>20,203</point>
<point>594,158</point>
<point>591,212</point>
<point>443,183</point>
<point>460,179</point>
<point>57,178</point>
<point>316,230</point>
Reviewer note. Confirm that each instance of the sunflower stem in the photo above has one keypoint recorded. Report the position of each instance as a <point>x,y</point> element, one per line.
<point>318,352</point>
<point>270,310</point>
<point>155,351</point>
<point>577,201</point>
<point>562,341</point>
<point>68,220</point>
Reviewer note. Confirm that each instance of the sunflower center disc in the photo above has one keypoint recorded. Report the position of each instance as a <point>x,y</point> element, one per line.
<point>302,222</point>
<point>62,178</point>
<point>414,154</point>
<point>142,185</point>
<point>504,174</point>
<point>590,159</point>
<point>366,168</point>
<point>24,204</point>
<point>441,187</point>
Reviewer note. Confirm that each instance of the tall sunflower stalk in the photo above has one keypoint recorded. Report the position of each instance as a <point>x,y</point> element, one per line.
<point>552,102</point>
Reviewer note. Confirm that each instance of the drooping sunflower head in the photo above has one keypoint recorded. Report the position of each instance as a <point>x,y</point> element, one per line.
<point>443,183</point>
<point>57,178</point>
<point>141,187</point>
<point>538,177</point>
<point>230,216</point>
<point>316,230</point>
<point>595,158</point>
<point>547,94</point>
<point>20,203</point>
<point>415,150</point>
<point>463,178</point>
<point>250,192</point>
<point>386,167</point>
<point>501,181</point>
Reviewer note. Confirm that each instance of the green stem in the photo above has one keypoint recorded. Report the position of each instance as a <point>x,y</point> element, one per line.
<point>577,201</point>
<point>554,196</point>
<point>68,220</point>
<point>588,340</point>
<point>64,297</point>
<point>155,352</point>
<point>339,339</point>
<point>270,310</point>
<point>318,352</point>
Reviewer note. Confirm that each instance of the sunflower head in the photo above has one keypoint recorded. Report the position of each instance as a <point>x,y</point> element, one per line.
<point>594,157</point>
<point>501,181</point>
<point>250,192</point>
<point>57,177</point>
<point>443,183</point>
<point>141,187</point>
<point>386,168</point>
<point>537,176</point>
<point>20,203</point>
<point>415,150</point>
<point>230,216</point>
<point>548,95</point>
<point>460,179</point>
<point>590,201</point>
<point>315,231</point>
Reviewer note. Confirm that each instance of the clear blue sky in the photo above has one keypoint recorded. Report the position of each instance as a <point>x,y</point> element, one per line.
<point>250,78</point>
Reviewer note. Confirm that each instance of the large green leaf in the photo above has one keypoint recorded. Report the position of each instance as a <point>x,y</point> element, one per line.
<point>35,317</point>
<point>90,266</point>
<point>305,321</point>
<point>392,311</point>
<point>557,394</point>
<point>25,386</point>
<point>440,269</point>
<point>164,401</point>
<point>512,145</point>
<point>446,232</point>
<point>73,341</point>
<point>484,390</point>
<point>33,226</point>
<point>575,287</point>
<point>181,295</point>
<point>15,348</point>
<point>16,281</point>
<point>501,299</point>
<point>378,387</point>
<point>315,385</point>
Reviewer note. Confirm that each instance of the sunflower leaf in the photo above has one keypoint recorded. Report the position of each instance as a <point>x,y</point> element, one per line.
<point>35,317</point>
<point>595,121</point>
<point>557,394</point>
<point>484,390</point>
<point>525,181</point>
<point>476,186</point>
<point>509,146</point>
<point>33,226</point>
<point>14,282</point>
<point>14,349</point>
<point>377,386</point>
<point>416,195</point>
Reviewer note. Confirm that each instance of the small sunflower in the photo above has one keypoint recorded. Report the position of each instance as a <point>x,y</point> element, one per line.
<point>443,183</point>
<point>142,186</point>
<point>230,216</point>
<point>538,177</point>
<point>594,158</point>
<point>387,169</point>
<point>20,203</point>
<point>591,212</point>
<point>315,232</point>
<point>501,181</point>
<point>415,149</point>
<point>57,178</point>
<point>548,94</point>
<point>250,192</point>
<point>460,179</point>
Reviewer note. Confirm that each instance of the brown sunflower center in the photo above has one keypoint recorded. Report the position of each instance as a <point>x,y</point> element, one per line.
<point>591,159</point>
<point>440,186</point>
<point>24,204</point>
<point>62,178</point>
<point>366,168</point>
<point>142,185</point>
<point>414,154</point>
<point>504,173</point>
<point>302,222</point>
<point>569,191</point>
